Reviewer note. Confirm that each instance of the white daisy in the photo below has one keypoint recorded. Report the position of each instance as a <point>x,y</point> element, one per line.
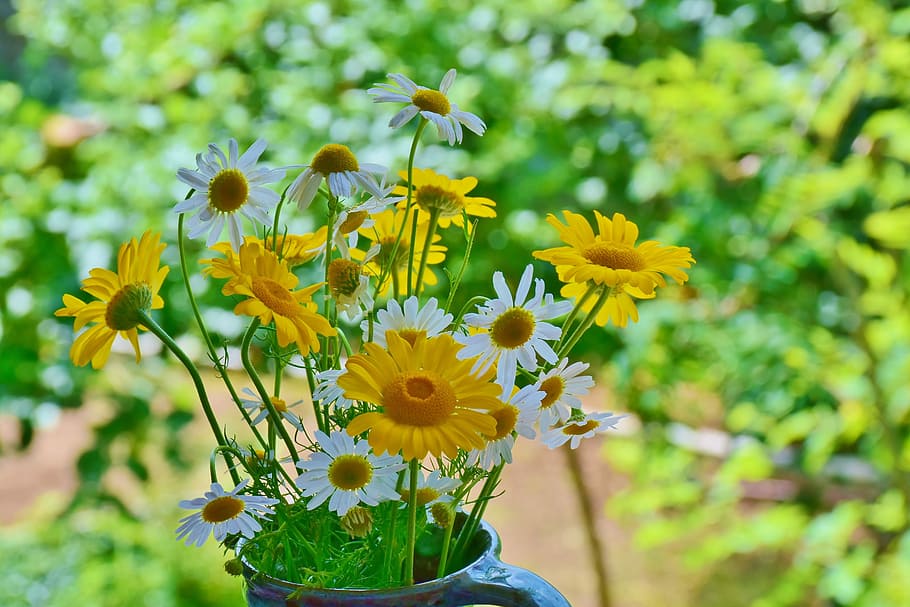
<point>576,430</point>
<point>344,175</point>
<point>409,321</point>
<point>433,105</point>
<point>346,474</point>
<point>563,387</point>
<point>225,185</point>
<point>432,488</point>
<point>327,390</point>
<point>258,411</point>
<point>223,513</point>
<point>351,220</point>
<point>516,416</point>
<point>512,329</point>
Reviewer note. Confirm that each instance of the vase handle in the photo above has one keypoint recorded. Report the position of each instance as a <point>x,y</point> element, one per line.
<point>491,581</point>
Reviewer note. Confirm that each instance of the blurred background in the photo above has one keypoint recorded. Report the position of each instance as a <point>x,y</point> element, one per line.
<point>765,462</point>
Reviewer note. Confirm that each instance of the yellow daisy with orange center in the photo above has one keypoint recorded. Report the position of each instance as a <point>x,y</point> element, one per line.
<point>121,297</point>
<point>447,198</point>
<point>269,285</point>
<point>430,402</point>
<point>611,259</point>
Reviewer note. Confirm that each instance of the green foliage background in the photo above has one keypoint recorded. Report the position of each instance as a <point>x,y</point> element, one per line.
<point>770,137</point>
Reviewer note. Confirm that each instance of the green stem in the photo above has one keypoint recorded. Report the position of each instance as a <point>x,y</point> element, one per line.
<point>456,281</point>
<point>260,388</point>
<point>470,526</point>
<point>210,346</point>
<point>586,323</point>
<point>579,304</point>
<point>171,345</point>
<point>413,468</point>
<point>444,554</point>
<point>431,232</point>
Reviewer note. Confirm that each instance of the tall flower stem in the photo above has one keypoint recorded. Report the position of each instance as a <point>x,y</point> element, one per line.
<point>413,468</point>
<point>566,347</point>
<point>149,323</point>
<point>431,232</point>
<point>213,355</point>
<point>473,522</point>
<point>595,547</point>
<point>260,388</point>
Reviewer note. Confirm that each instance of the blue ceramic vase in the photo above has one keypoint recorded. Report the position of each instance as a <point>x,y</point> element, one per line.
<point>486,581</point>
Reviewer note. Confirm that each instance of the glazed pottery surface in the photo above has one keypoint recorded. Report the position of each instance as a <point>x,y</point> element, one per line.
<point>486,581</point>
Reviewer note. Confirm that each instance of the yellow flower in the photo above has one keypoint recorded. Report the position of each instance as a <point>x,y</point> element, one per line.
<point>431,401</point>
<point>611,259</point>
<point>293,249</point>
<point>383,234</point>
<point>121,296</point>
<point>435,192</point>
<point>268,284</point>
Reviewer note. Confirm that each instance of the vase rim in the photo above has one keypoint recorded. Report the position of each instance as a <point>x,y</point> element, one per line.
<point>491,547</point>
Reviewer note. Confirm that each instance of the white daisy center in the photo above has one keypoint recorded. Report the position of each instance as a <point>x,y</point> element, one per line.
<point>411,335</point>
<point>334,158</point>
<point>358,522</point>
<point>122,312</point>
<point>580,429</point>
<point>425,495</point>
<point>553,388</point>
<point>506,418</point>
<point>419,398</point>
<point>615,257</point>
<point>431,101</point>
<point>443,515</point>
<point>222,509</point>
<point>386,244</point>
<point>275,297</point>
<point>350,472</point>
<point>344,277</point>
<point>280,405</point>
<point>353,221</point>
<point>446,202</point>
<point>228,190</point>
<point>513,328</point>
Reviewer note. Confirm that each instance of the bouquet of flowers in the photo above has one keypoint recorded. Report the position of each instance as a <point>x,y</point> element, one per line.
<point>415,402</point>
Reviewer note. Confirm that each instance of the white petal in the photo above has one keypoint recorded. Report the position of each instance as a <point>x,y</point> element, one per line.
<point>232,153</point>
<point>447,81</point>
<point>217,228</point>
<point>193,179</point>
<point>252,154</point>
<point>199,199</point>
<point>234,231</point>
<point>402,117</point>
<point>404,82</point>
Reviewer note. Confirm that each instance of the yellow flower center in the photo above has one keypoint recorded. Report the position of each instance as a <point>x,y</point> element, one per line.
<point>275,297</point>
<point>411,335</point>
<point>419,398</point>
<point>122,312</point>
<point>615,257</point>
<point>222,509</point>
<point>358,521</point>
<point>278,403</point>
<point>579,429</point>
<point>446,202</point>
<point>344,277</point>
<point>352,222</point>
<point>350,472</point>
<point>425,495</point>
<point>431,101</point>
<point>505,417</point>
<point>443,515</point>
<point>513,328</point>
<point>334,158</point>
<point>386,244</point>
<point>553,387</point>
<point>228,190</point>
